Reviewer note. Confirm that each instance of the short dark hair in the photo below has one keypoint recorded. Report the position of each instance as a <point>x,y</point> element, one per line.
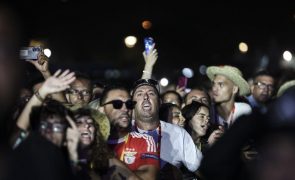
<point>179,98</point>
<point>109,88</point>
<point>48,109</point>
<point>200,88</point>
<point>81,75</point>
<point>262,72</point>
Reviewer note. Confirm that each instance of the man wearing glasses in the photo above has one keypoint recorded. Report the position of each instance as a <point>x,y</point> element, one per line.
<point>137,151</point>
<point>80,91</point>
<point>262,89</point>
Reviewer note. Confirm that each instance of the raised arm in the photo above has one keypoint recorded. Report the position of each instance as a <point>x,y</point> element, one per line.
<point>42,65</point>
<point>150,60</point>
<point>56,83</point>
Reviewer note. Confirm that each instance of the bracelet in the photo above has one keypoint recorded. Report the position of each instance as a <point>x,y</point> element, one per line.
<point>38,96</point>
<point>147,72</point>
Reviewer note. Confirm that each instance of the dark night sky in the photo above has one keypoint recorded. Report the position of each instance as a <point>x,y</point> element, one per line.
<point>88,36</point>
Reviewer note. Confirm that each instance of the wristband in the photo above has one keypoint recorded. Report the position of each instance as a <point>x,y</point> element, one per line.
<point>147,72</point>
<point>37,94</point>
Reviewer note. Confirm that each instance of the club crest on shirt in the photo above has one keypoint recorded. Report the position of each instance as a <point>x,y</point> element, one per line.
<point>129,157</point>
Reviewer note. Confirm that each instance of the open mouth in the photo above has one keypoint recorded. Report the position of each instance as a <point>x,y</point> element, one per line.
<point>204,127</point>
<point>86,135</point>
<point>146,106</point>
<point>124,118</point>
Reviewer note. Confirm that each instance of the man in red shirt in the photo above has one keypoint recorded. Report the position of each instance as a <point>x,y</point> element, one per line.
<point>138,151</point>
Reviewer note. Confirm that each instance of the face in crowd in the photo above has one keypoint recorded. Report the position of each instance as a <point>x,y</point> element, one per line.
<point>53,129</point>
<point>197,95</point>
<point>147,106</point>
<point>197,118</point>
<point>262,88</point>
<point>200,121</point>
<point>80,92</point>
<point>118,106</point>
<point>171,97</point>
<point>223,89</point>
<point>177,117</point>
<point>85,125</point>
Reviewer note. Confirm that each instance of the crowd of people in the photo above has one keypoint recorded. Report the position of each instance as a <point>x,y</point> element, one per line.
<point>69,127</point>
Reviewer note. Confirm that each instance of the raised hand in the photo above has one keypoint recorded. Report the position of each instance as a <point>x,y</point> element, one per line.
<point>72,137</point>
<point>181,91</point>
<point>151,57</point>
<point>41,64</point>
<point>57,83</point>
<point>215,135</point>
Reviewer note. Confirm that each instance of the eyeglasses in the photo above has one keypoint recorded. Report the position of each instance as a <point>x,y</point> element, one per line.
<point>203,117</point>
<point>150,82</point>
<point>76,92</point>
<point>262,85</point>
<point>52,127</point>
<point>117,104</point>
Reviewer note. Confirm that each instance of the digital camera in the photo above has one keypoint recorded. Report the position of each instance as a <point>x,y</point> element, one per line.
<point>30,53</point>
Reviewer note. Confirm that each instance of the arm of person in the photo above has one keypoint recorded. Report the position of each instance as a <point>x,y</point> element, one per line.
<point>42,65</point>
<point>215,135</point>
<point>72,141</point>
<point>147,172</point>
<point>122,169</point>
<point>56,83</point>
<point>192,156</point>
<point>150,60</point>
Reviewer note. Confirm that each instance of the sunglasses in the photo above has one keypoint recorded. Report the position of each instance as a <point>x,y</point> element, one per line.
<point>118,104</point>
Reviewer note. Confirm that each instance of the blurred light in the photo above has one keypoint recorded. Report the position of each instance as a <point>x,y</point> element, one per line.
<point>146,24</point>
<point>202,69</point>
<point>164,82</point>
<point>47,52</point>
<point>287,55</point>
<point>188,72</point>
<point>130,41</point>
<point>243,47</point>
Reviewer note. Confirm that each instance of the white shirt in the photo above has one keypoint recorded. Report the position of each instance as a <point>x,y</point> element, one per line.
<point>177,147</point>
<point>239,110</point>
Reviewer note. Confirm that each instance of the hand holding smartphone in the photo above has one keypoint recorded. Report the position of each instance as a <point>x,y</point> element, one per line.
<point>182,82</point>
<point>148,44</point>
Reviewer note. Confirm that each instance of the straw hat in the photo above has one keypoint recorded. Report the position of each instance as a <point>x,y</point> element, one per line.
<point>232,73</point>
<point>285,86</point>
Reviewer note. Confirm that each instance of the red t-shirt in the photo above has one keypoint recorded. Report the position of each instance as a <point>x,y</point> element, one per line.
<point>139,149</point>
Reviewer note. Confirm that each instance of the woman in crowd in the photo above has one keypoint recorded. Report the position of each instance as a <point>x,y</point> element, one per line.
<point>197,124</point>
<point>171,113</point>
<point>93,159</point>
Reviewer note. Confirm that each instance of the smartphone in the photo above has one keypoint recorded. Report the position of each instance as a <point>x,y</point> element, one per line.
<point>30,53</point>
<point>148,43</point>
<point>182,81</point>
